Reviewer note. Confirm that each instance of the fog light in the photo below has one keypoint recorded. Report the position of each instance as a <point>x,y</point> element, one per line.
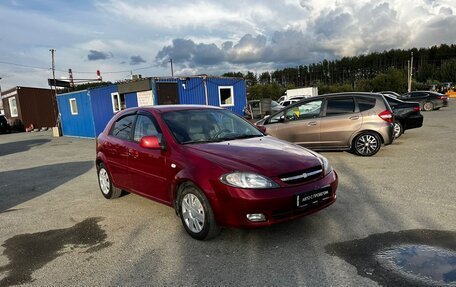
<point>256,217</point>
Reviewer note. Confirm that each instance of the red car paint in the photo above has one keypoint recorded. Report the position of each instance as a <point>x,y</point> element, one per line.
<point>157,173</point>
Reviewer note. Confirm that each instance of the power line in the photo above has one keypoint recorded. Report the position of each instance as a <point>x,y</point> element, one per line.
<point>79,72</point>
<point>25,66</point>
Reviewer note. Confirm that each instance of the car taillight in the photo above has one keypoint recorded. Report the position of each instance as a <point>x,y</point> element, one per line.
<point>387,116</point>
<point>416,109</point>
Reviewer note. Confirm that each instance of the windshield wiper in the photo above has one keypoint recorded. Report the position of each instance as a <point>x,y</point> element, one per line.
<point>242,137</point>
<point>203,141</point>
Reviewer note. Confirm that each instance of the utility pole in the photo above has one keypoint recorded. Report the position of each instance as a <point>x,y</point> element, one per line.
<point>410,75</point>
<point>55,87</point>
<point>172,70</point>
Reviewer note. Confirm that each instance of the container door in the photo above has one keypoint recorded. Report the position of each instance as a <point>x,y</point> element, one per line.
<point>167,93</point>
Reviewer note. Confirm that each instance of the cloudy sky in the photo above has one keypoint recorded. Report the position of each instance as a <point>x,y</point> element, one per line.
<point>211,37</point>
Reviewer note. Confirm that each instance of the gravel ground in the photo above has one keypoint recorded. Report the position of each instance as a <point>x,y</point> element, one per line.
<point>57,229</point>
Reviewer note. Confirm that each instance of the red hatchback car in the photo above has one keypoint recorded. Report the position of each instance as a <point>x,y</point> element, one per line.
<point>215,168</point>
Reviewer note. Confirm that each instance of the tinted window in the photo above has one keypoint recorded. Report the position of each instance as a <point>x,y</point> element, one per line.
<point>365,104</point>
<point>340,106</point>
<point>145,126</point>
<point>304,111</point>
<point>122,127</point>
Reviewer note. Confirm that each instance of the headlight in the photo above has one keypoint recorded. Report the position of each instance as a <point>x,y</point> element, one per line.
<point>247,180</point>
<point>327,168</point>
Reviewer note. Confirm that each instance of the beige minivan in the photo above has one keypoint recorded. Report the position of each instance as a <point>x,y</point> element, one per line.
<point>360,122</point>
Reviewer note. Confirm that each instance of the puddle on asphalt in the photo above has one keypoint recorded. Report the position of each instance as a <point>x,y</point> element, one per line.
<point>404,258</point>
<point>428,263</point>
<point>29,252</point>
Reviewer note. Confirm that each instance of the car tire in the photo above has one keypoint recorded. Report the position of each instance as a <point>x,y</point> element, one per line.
<point>398,129</point>
<point>196,213</point>
<point>367,144</point>
<point>108,190</point>
<point>428,106</point>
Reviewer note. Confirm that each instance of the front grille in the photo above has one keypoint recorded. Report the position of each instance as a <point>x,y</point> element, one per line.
<point>302,176</point>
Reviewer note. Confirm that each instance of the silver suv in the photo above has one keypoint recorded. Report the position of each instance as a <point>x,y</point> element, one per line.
<point>360,122</point>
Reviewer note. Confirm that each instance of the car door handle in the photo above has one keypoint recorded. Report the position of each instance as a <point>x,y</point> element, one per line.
<point>133,153</point>
<point>312,124</point>
<point>354,118</point>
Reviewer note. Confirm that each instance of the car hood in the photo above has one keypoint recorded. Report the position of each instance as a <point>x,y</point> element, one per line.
<point>265,155</point>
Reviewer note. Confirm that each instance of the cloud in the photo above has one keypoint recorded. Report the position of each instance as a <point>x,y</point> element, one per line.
<point>136,60</point>
<point>95,55</point>
<point>446,11</point>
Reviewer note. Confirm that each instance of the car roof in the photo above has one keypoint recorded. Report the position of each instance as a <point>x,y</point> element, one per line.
<point>345,94</point>
<point>172,108</point>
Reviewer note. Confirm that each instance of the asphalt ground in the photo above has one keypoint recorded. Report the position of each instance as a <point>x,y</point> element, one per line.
<point>57,229</point>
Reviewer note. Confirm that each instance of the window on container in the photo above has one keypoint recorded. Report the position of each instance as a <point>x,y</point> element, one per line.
<point>13,107</point>
<point>118,102</point>
<point>226,96</point>
<point>73,106</point>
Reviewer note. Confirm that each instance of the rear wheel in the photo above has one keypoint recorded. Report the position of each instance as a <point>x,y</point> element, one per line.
<point>398,129</point>
<point>366,144</point>
<point>108,190</point>
<point>428,106</point>
<point>196,213</point>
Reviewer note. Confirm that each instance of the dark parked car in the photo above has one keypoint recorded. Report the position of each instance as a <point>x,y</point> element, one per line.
<point>390,93</point>
<point>215,168</point>
<point>4,126</point>
<point>360,122</point>
<point>406,115</point>
<point>428,100</point>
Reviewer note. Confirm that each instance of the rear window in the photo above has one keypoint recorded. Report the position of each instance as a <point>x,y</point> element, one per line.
<point>122,127</point>
<point>365,104</point>
<point>340,106</point>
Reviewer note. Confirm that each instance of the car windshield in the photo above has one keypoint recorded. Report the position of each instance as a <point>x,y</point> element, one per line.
<point>208,125</point>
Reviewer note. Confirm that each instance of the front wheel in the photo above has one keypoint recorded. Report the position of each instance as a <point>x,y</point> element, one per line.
<point>366,144</point>
<point>196,213</point>
<point>398,129</point>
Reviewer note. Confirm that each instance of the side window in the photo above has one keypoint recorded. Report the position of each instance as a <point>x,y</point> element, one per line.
<point>145,126</point>
<point>365,104</point>
<point>304,111</point>
<point>275,119</point>
<point>122,127</point>
<point>340,106</point>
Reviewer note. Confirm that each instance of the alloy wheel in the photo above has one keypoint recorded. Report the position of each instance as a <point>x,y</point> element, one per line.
<point>397,130</point>
<point>428,106</point>
<point>367,144</point>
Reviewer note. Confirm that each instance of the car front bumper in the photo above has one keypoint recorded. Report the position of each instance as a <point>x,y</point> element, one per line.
<point>277,205</point>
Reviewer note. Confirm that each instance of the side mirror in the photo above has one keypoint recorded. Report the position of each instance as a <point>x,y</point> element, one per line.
<point>150,142</point>
<point>261,128</point>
